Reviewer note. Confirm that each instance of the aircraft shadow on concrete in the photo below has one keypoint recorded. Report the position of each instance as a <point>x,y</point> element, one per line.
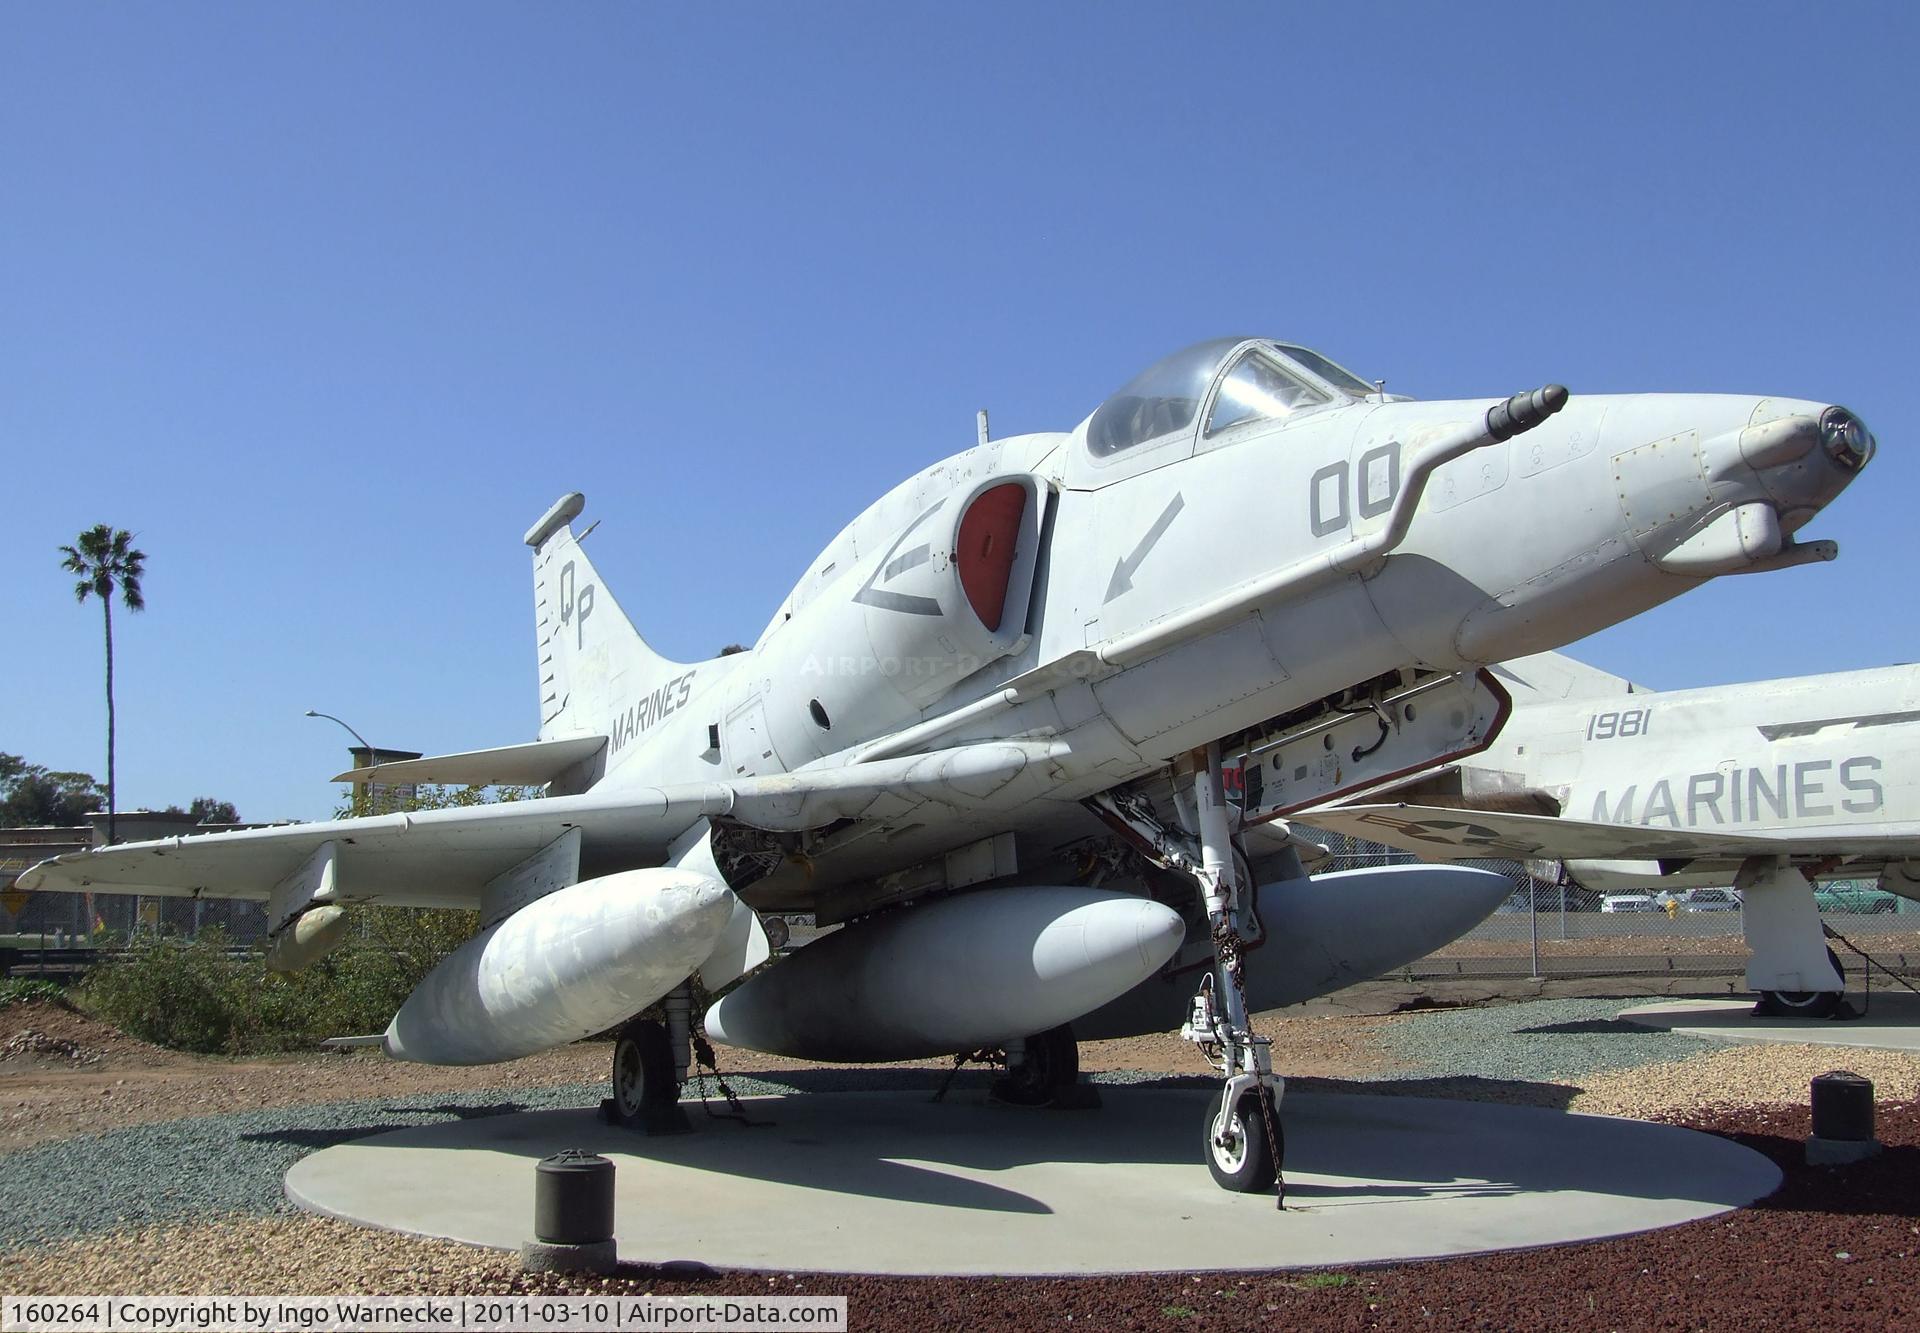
<point>1389,1147</point>
<point>329,1137</point>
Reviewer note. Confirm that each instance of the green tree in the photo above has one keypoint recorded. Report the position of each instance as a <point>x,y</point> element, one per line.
<point>206,810</point>
<point>29,794</point>
<point>104,559</point>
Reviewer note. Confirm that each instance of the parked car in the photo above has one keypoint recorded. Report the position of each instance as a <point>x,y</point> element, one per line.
<point>1629,902</point>
<point>1844,897</point>
<point>1710,900</point>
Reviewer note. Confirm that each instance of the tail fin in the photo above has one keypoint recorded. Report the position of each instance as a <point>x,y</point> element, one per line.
<point>591,657</point>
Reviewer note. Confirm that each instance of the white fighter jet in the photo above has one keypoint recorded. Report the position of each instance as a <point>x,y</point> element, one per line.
<point>1768,786</point>
<point>996,726</point>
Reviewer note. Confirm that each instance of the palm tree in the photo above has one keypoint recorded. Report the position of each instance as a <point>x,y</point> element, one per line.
<point>105,559</point>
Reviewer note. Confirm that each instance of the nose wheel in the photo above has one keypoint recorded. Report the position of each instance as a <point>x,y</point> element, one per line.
<point>1237,1149</point>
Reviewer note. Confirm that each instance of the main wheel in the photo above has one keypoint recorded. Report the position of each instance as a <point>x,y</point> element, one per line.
<point>1243,1163</point>
<point>643,1074</point>
<point>1050,1067</point>
<point>1798,1003</point>
<point>1803,1003</point>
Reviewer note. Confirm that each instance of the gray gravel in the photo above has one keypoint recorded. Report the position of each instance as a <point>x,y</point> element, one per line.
<point>207,1166</point>
<point>201,1168</point>
<point>1541,1041</point>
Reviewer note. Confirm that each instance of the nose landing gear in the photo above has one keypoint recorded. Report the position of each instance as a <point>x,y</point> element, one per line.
<point>1243,1142</point>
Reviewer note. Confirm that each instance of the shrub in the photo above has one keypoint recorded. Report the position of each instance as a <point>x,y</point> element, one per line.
<point>24,990</point>
<point>180,993</point>
<point>194,995</point>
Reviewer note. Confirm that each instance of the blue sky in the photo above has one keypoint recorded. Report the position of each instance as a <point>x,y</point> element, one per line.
<point>328,302</point>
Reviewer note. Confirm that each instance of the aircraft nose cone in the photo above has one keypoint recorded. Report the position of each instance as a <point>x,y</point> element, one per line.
<point>1801,453</point>
<point>1720,483</point>
<point>1846,438</point>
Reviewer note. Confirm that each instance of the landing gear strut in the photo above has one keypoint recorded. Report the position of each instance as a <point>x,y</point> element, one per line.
<point>1243,1142</point>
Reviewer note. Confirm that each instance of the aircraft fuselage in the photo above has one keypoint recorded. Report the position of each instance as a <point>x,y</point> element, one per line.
<point>1830,754</point>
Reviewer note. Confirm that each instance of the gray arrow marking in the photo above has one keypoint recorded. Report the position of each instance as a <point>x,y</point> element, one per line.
<point>1130,563</point>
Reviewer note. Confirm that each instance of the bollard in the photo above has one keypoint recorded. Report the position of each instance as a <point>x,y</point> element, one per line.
<point>1842,1120</point>
<point>572,1216</point>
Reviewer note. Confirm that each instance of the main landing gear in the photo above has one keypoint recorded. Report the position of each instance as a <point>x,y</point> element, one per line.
<point>1044,1070</point>
<point>1794,972</point>
<point>649,1065</point>
<point>1806,1003</point>
<point>1242,1144</point>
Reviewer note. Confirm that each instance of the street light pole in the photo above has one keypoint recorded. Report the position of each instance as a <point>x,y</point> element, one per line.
<point>373,755</point>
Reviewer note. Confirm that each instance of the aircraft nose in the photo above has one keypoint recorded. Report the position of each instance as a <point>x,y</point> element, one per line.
<point>1627,500</point>
<point>1804,453</point>
<point>1721,483</point>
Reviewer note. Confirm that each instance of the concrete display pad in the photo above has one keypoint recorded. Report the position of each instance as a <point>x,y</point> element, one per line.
<point>1892,1022</point>
<point>891,1183</point>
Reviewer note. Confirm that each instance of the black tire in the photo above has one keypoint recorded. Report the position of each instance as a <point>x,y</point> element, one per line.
<point>1049,1068</point>
<point>1244,1166</point>
<point>1804,1003</point>
<point>643,1074</point>
<point>1798,1003</point>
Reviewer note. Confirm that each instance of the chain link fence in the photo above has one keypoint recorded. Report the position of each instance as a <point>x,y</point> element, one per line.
<point>60,920</point>
<point>1550,926</point>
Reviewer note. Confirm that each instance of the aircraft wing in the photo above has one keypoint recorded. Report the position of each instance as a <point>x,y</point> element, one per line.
<point>1443,834</point>
<point>445,858</point>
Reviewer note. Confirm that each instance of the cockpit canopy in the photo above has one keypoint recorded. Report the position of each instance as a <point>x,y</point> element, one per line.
<point>1259,380</point>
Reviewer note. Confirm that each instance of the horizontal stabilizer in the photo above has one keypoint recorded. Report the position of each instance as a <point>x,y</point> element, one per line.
<point>348,1043</point>
<point>531,765</point>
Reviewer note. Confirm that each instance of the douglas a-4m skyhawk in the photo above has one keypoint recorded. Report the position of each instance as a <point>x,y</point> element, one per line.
<point>995,727</point>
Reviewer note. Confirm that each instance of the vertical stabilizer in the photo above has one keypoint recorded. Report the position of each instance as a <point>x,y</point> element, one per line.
<point>591,657</point>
